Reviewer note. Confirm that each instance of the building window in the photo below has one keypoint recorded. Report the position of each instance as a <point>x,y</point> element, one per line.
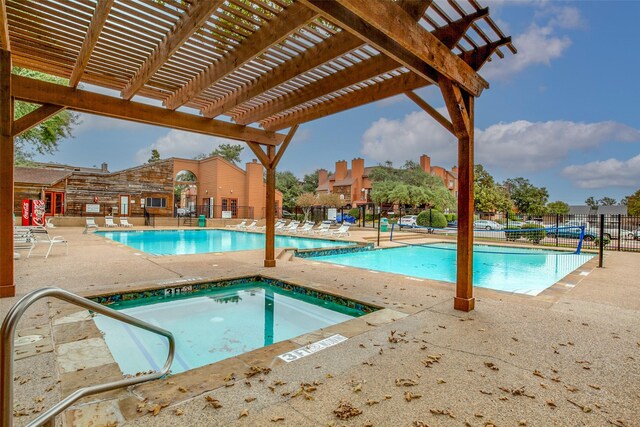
<point>156,202</point>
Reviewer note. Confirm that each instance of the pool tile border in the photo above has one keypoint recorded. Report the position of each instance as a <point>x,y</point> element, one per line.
<point>195,287</point>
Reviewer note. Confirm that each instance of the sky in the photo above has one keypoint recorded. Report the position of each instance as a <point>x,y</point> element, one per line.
<point>562,113</point>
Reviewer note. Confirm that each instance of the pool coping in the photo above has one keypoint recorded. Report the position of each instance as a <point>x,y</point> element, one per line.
<point>551,293</point>
<point>74,333</point>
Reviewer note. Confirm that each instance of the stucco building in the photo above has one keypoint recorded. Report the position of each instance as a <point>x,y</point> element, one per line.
<point>354,184</point>
<point>215,188</point>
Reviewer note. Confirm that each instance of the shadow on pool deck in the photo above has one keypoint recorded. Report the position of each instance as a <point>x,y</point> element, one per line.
<point>570,358</point>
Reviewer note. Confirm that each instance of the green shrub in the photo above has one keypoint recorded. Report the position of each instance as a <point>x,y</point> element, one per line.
<point>512,236</point>
<point>354,212</point>
<point>368,217</point>
<point>606,241</point>
<point>432,218</point>
<point>533,232</point>
<point>451,217</point>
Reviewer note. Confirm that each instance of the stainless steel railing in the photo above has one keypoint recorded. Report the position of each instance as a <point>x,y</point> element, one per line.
<point>7,348</point>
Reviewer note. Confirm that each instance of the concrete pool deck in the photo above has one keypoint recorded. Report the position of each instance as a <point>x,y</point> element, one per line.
<point>566,357</point>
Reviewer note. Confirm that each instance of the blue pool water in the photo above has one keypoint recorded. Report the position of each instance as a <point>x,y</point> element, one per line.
<point>214,325</point>
<point>521,270</point>
<point>184,242</point>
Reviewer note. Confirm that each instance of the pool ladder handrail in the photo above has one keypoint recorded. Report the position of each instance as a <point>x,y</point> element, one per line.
<point>7,335</point>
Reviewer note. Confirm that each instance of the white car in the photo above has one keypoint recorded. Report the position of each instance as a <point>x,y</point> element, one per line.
<point>485,224</point>
<point>408,220</point>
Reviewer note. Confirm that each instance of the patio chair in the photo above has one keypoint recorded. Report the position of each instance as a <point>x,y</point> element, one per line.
<point>124,222</point>
<point>241,225</point>
<point>41,235</point>
<point>289,227</point>
<point>304,229</point>
<point>49,223</point>
<point>89,223</point>
<point>252,226</point>
<point>23,238</point>
<point>108,222</point>
<point>322,228</point>
<point>343,231</point>
<point>280,225</point>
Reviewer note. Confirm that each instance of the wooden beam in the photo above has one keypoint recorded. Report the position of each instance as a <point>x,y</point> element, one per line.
<point>194,17</point>
<point>386,89</point>
<point>325,51</point>
<point>7,284</point>
<point>269,250</point>
<point>457,111</point>
<point>260,154</point>
<point>283,146</point>
<point>364,70</point>
<point>103,7</point>
<point>451,34</point>
<point>34,118</point>
<point>430,110</point>
<point>4,27</point>
<point>385,26</point>
<point>477,57</point>
<point>321,53</point>
<point>415,8</point>
<point>40,92</point>
<point>287,21</point>
<point>361,97</point>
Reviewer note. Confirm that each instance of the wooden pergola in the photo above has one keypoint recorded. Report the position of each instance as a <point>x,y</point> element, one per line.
<point>268,65</point>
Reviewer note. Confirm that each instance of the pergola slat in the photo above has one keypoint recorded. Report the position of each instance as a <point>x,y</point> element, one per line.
<point>273,32</point>
<point>189,23</point>
<point>404,40</point>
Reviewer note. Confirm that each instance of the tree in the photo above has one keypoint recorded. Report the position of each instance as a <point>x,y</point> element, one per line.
<point>607,201</point>
<point>229,152</point>
<point>633,204</point>
<point>330,200</point>
<point>558,207</point>
<point>45,137</point>
<point>527,197</point>
<point>306,201</point>
<point>288,185</point>
<point>155,156</point>
<point>310,182</point>
<point>488,196</point>
<point>591,202</point>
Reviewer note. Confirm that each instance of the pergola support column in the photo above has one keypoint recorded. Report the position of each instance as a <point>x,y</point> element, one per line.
<point>460,106</point>
<point>270,161</point>
<point>7,283</point>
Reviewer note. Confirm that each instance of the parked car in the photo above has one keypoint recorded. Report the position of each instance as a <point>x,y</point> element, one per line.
<point>452,224</point>
<point>608,231</point>
<point>571,233</point>
<point>286,214</point>
<point>486,225</point>
<point>408,220</point>
<point>514,223</point>
<point>345,218</point>
<point>637,234</point>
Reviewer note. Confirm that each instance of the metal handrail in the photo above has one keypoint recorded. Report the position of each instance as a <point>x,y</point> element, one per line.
<point>7,335</point>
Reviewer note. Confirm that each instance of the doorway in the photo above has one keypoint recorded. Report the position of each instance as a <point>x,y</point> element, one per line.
<point>124,205</point>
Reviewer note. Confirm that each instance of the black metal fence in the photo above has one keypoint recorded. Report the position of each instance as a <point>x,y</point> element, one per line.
<point>216,211</point>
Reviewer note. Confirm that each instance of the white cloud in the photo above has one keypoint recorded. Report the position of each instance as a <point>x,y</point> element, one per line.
<point>177,143</point>
<point>407,139</point>
<point>91,123</point>
<point>519,145</point>
<point>605,173</point>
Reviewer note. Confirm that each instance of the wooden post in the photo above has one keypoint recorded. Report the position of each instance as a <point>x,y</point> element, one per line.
<point>464,299</point>
<point>270,241</point>
<point>460,106</point>
<point>7,284</point>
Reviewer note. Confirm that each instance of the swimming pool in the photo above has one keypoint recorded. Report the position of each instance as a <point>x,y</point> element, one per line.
<point>185,242</point>
<point>521,270</point>
<point>216,324</point>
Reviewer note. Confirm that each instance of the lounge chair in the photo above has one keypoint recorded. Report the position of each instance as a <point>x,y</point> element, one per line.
<point>90,223</point>
<point>322,228</point>
<point>252,226</point>
<point>108,222</point>
<point>304,229</point>
<point>49,223</point>
<point>243,224</point>
<point>343,231</point>
<point>41,235</point>
<point>289,227</point>
<point>124,222</point>
<point>23,238</point>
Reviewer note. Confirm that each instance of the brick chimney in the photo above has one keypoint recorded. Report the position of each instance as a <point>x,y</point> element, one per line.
<point>254,186</point>
<point>425,163</point>
<point>104,168</point>
<point>357,168</point>
<point>322,176</point>
<point>341,170</point>
<point>455,170</point>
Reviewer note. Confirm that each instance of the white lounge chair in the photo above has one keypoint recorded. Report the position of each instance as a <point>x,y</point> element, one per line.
<point>241,225</point>
<point>252,226</point>
<point>343,231</point>
<point>108,222</point>
<point>23,238</point>
<point>89,223</point>
<point>289,227</point>
<point>322,228</point>
<point>49,223</point>
<point>41,235</point>
<point>303,229</point>
<point>124,222</point>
